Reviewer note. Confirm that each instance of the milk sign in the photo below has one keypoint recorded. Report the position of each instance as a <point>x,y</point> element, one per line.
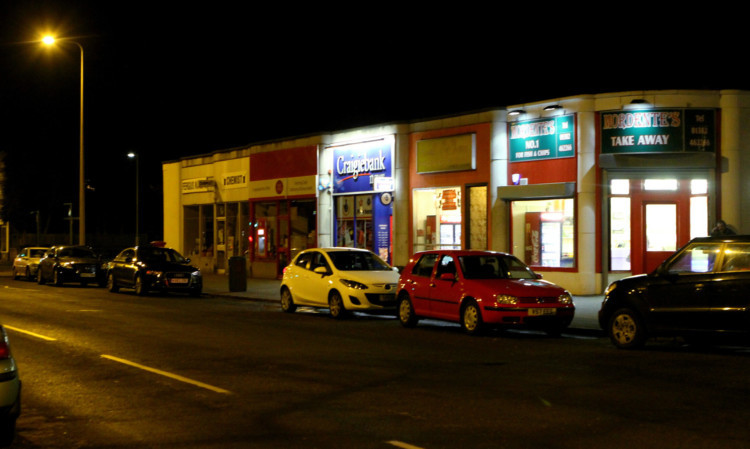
<point>357,166</point>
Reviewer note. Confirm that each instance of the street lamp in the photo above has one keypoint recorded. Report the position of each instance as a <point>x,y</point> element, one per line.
<point>50,40</point>
<point>134,155</point>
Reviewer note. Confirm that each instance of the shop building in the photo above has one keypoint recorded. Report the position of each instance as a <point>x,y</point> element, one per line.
<point>585,189</point>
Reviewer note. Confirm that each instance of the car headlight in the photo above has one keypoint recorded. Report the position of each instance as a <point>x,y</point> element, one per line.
<point>565,298</point>
<point>506,299</point>
<point>353,284</point>
<point>609,289</point>
<point>196,274</point>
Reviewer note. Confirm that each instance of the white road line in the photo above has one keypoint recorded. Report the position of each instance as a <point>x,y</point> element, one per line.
<point>167,374</point>
<point>33,334</point>
<point>402,445</point>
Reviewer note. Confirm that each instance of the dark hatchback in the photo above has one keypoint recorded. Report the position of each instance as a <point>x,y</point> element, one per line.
<point>703,289</point>
<point>62,264</point>
<point>153,268</point>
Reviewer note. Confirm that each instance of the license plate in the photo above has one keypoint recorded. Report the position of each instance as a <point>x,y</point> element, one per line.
<point>178,281</point>
<point>542,312</point>
<point>87,275</point>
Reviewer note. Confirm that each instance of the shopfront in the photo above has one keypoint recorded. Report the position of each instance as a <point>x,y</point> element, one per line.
<point>283,208</point>
<point>541,192</point>
<point>659,176</point>
<point>449,177</point>
<point>362,185</point>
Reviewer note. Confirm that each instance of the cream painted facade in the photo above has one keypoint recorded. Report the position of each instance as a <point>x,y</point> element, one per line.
<point>728,194</point>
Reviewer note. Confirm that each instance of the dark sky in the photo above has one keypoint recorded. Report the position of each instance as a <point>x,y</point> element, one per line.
<point>169,80</point>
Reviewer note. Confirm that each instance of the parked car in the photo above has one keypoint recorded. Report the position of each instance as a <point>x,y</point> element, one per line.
<point>62,264</point>
<point>341,279</point>
<point>702,289</point>
<point>27,262</point>
<point>478,289</point>
<point>10,391</point>
<point>153,268</point>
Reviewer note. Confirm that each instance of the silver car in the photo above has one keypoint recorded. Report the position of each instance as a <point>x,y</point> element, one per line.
<point>10,391</point>
<point>27,262</point>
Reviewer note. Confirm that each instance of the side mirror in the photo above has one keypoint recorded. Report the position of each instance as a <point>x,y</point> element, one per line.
<point>447,277</point>
<point>320,270</point>
<point>538,275</point>
<point>128,260</point>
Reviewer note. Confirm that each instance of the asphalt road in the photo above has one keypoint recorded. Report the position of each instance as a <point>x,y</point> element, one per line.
<point>119,371</point>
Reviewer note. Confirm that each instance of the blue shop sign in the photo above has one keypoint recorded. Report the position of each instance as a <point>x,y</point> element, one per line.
<point>356,167</point>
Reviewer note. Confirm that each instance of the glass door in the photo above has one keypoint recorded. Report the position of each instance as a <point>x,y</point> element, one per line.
<point>660,233</point>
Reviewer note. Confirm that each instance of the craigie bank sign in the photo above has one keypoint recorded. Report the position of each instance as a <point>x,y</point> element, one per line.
<point>658,131</point>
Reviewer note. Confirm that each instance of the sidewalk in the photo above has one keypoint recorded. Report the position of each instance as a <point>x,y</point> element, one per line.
<point>268,290</point>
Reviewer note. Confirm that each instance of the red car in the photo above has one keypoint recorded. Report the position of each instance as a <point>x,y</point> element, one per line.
<point>479,288</point>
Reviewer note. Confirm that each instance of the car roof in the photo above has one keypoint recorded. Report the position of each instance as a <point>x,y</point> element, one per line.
<point>723,238</point>
<point>339,248</point>
<point>462,252</point>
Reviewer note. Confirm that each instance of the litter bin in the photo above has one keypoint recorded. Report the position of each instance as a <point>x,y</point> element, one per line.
<point>237,274</point>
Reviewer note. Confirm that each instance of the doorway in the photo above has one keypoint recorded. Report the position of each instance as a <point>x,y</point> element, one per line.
<point>652,218</point>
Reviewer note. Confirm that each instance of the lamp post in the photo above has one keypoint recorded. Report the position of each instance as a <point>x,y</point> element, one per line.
<point>133,155</point>
<point>50,40</point>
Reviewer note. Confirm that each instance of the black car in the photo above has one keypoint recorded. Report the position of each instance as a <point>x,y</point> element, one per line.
<point>702,289</point>
<point>62,264</point>
<point>149,267</point>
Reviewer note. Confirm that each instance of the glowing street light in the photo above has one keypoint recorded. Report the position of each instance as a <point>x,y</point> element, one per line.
<point>50,40</point>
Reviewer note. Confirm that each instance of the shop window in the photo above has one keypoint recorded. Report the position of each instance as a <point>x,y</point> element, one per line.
<point>354,226</point>
<point>544,232</point>
<point>619,225</point>
<point>698,208</point>
<point>207,230</point>
<point>192,239</point>
<point>437,219</point>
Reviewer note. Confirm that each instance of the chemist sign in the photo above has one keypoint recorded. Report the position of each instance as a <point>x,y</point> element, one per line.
<point>547,138</point>
<point>659,131</point>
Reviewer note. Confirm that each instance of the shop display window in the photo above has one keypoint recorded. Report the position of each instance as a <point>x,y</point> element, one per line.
<point>281,229</point>
<point>544,232</point>
<point>437,218</point>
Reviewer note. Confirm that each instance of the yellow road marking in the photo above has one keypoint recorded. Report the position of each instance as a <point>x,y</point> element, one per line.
<point>167,374</point>
<point>33,334</point>
<point>403,445</point>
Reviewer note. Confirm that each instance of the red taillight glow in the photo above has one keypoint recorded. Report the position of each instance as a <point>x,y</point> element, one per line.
<point>4,350</point>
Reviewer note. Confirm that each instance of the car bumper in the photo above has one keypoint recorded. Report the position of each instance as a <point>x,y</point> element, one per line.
<point>371,300</point>
<point>558,315</point>
<point>192,284</point>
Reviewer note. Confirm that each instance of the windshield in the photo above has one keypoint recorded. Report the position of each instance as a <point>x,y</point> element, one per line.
<point>357,261</point>
<point>36,253</point>
<point>494,267</point>
<point>76,252</point>
<point>160,255</point>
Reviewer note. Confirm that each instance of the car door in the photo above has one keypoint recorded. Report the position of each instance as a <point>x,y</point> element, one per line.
<point>419,281</point>
<point>681,295</point>
<point>312,288</point>
<point>730,308</point>
<point>123,269</point>
<point>445,289</point>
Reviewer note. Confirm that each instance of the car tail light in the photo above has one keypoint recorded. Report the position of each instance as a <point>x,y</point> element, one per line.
<point>4,350</point>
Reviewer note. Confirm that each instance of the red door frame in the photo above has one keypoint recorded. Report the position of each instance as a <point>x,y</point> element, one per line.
<point>639,199</point>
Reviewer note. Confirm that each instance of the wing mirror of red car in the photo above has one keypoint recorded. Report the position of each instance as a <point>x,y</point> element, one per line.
<point>447,277</point>
<point>537,275</point>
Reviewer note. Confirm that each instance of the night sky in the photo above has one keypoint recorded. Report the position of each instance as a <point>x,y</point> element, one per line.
<point>168,80</point>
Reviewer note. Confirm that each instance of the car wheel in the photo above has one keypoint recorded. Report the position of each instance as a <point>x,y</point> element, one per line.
<point>336,305</point>
<point>287,302</point>
<point>57,277</point>
<point>406,314</point>
<point>111,284</point>
<point>626,330</point>
<point>471,318</point>
<point>140,287</point>
<point>39,277</point>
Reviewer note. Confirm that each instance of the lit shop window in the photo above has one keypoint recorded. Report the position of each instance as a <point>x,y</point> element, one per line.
<point>619,225</point>
<point>544,232</point>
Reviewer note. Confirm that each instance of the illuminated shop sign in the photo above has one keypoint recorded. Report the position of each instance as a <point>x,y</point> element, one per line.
<point>659,131</point>
<point>197,185</point>
<point>357,167</point>
<point>547,138</point>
